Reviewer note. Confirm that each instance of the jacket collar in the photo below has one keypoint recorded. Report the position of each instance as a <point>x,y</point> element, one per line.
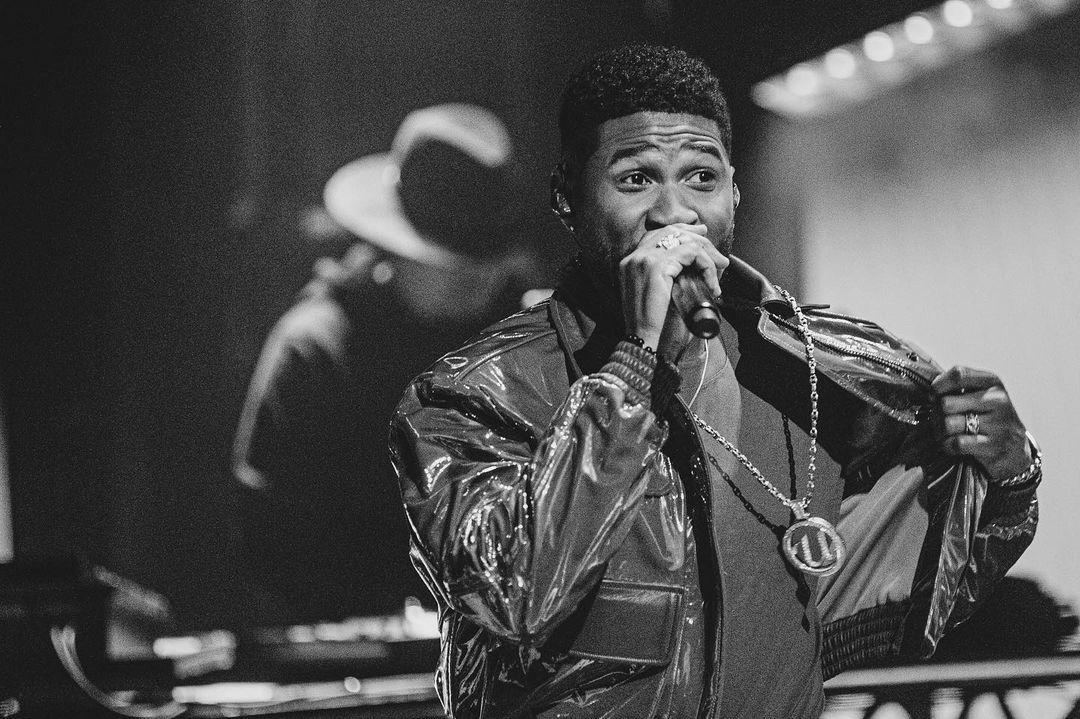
<point>745,288</point>
<point>586,319</point>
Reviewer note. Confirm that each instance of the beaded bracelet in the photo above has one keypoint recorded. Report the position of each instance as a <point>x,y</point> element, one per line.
<point>635,340</point>
<point>1033,471</point>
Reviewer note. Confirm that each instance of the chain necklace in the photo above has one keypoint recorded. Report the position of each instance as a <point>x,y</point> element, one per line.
<point>811,544</point>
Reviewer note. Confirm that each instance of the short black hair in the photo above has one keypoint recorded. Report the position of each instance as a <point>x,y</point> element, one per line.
<point>638,78</point>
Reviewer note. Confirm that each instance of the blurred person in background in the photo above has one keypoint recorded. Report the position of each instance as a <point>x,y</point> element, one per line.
<point>434,219</point>
<point>615,515</point>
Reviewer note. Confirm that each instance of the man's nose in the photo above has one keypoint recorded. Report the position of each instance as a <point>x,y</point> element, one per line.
<point>669,207</point>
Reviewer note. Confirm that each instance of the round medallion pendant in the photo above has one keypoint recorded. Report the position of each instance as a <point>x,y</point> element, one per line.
<point>814,547</point>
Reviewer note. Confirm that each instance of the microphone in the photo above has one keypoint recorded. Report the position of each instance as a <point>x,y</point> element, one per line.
<point>695,303</point>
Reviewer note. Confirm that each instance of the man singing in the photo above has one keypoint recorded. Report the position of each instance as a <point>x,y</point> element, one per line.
<point>615,515</point>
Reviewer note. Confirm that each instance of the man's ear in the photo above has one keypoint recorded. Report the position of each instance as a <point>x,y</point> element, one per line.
<point>560,204</point>
<point>735,193</point>
<point>560,196</point>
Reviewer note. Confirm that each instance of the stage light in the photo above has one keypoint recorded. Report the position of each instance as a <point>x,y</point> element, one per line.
<point>957,13</point>
<point>840,63</point>
<point>923,41</point>
<point>175,647</point>
<point>803,80</point>
<point>919,29</point>
<point>878,46</point>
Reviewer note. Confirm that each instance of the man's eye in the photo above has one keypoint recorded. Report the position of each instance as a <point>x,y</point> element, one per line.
<point>635,178</point>
<point>703,177</point>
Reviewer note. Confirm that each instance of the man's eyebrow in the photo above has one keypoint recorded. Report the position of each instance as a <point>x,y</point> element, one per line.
<point>632,151</point>
<point>708,148</point>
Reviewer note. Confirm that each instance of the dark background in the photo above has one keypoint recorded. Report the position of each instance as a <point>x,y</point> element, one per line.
<point>158,159</point>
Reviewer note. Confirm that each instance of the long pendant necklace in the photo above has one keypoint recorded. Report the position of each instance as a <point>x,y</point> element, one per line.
<point>811,544</point>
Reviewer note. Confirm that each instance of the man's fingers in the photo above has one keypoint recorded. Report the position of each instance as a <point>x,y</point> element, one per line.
<point>697,251</point>
<point>985,400</point>
<point>962,379</point>
<point>710,274</point>
<point>668,251</point>
<point>987,422</point>
<point>972,445</point>
<point>695,229</point>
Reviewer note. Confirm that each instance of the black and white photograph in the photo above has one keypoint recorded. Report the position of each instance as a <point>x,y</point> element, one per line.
<point>636,359</point>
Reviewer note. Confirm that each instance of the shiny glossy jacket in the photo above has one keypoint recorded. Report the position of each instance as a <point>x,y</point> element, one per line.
<point>571,557</point>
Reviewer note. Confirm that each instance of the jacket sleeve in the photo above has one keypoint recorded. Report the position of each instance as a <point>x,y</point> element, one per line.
<point>517,500</point>
<point>983,531</point>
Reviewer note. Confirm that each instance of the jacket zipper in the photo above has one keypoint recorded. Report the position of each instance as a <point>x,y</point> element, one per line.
<point>832,345</point>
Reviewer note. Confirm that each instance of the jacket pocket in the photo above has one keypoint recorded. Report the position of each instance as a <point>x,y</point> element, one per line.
<point>629,622</point>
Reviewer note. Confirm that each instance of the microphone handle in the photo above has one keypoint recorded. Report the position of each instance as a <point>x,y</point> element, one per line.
<point>695,304</point>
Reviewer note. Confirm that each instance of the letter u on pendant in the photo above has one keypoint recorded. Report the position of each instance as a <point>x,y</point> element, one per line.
<point>827,555</point>
<point>799,551</point>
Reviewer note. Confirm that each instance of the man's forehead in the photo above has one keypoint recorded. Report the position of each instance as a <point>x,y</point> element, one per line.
<point>644,130</point>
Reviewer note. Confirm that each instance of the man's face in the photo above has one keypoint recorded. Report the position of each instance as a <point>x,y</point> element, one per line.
<point>650,170</point>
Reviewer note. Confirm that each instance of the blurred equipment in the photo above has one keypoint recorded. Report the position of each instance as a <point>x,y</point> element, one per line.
<point>1019,620</point>
<point>360,667</point>
<point>62,624</point>
<point>80,641</point>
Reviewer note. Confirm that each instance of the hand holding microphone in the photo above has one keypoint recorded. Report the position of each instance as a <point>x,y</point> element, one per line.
<point>692,297</point>
<point>695,304</point>
<point>674,270</point>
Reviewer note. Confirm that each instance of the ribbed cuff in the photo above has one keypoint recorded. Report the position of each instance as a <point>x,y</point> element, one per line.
<point>635,366</point>
<point>1008,505</point>
<point>863,638</point>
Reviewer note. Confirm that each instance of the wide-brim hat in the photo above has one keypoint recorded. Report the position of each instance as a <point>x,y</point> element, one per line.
<point>363,196</point>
